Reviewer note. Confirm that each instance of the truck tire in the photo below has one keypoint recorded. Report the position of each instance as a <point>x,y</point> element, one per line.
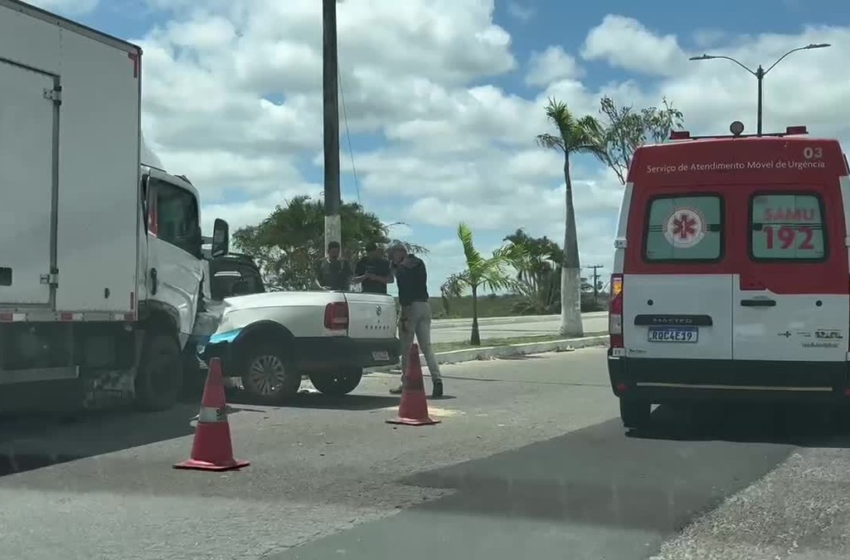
<point>337,383</point>
<point>159,380</point>
<point>268,375</point>
<point>635,413</point>
<point>194,377</point>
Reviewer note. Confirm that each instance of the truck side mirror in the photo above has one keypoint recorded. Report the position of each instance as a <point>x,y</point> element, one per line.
<point>220,239</point>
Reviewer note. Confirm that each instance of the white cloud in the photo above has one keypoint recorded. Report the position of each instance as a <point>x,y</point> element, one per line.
<point>232,95</point>
<point>551,65</point>
<point>399,230</point>
<point>521,12</point>
<point>67,7</point>
<point>627,44</point>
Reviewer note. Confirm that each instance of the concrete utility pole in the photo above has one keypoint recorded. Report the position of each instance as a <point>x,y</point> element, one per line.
<point>330,87</point>
<point>595,280</point>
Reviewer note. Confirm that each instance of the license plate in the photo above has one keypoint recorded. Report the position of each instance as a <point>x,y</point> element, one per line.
<point>673,334</point>
<point>381,356</point>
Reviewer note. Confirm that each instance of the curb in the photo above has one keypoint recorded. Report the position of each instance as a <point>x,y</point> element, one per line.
<point>494,352</point>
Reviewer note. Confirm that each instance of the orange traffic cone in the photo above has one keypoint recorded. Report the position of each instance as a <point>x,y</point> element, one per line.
<point>413,409</point>
<point>212,449</point>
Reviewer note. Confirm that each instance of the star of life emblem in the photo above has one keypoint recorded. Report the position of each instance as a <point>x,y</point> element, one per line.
<point>685,228</point>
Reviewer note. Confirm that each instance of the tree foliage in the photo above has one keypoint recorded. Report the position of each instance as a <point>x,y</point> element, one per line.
<point>583,135</point>
<point>288,242</point>
<point>538,278</point>
<point>628,128</point>
<point>490,273</point>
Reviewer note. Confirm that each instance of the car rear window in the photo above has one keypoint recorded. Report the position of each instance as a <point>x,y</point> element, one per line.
<point>787,227</point>
<point>684,228</point>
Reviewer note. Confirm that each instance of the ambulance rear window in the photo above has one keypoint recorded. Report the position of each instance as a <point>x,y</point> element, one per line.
<point>787,227</point>
<point>684,229</point>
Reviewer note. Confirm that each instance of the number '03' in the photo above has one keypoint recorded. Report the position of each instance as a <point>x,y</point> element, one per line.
<point>810,152</point>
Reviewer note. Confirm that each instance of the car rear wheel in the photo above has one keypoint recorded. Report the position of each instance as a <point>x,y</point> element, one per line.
<point>337,383</point>
<point>635,413</point>
<point>268,376</point>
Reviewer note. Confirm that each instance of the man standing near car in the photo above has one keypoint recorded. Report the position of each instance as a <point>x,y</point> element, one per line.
<point>373,271</point>
<point>332,272</point>
<point>415,321</point>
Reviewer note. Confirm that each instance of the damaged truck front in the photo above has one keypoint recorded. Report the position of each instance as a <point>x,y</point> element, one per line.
<point>101,272</point>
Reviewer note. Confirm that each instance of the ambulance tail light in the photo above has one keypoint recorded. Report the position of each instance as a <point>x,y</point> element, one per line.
<point>615,312</point>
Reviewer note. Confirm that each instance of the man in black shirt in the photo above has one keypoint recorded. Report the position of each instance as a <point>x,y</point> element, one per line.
<point>333,273</point>
<point>373,271</point>
<point>415,320</point>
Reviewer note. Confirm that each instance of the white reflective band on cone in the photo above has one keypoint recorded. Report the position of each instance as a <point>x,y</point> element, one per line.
<point>209,415</point>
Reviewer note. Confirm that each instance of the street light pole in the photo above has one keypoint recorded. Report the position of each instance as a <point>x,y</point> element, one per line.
<point>760,73</point>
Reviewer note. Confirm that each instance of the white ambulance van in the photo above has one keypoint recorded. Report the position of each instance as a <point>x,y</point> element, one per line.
<point>731,276</point>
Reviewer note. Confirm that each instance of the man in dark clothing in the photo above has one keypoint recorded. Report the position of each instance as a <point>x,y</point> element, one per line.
<point>333,273</point>
<point>415,321</point>
<point>373,271</point>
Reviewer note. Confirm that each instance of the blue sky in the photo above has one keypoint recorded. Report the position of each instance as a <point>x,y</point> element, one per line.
<point>637,67</point>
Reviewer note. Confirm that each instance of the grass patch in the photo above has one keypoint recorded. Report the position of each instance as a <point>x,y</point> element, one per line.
<point>488,342</point>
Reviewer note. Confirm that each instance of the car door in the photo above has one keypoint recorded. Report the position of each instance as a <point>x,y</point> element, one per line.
<point>791,291</point>
<point>677,282</point>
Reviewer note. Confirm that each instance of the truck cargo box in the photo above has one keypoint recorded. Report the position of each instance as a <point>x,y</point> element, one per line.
<point>69,167</point>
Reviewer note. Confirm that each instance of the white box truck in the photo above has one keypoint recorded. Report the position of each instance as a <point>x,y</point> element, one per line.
<point>101,268</point>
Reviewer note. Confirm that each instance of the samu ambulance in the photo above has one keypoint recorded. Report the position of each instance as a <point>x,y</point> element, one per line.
<point>731,276</point>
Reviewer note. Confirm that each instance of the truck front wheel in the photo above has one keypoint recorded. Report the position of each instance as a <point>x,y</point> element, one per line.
<point>337,383</point>
<point>268,376</point>
<point>159,380</point>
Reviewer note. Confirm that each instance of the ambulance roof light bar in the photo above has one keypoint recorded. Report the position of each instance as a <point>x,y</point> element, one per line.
<point>789,130</point>
<point>737,130</point>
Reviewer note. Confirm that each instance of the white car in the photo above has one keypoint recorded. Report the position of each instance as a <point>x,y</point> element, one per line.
<point>271,340</point>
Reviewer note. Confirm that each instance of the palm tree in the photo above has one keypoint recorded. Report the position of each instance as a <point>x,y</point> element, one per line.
<point>490,273</point>
<point>538,274</point>
<point>574,136</point>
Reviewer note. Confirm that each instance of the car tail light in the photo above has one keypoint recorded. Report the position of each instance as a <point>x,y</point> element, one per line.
<point>615,311</point>
<point>336,316</point>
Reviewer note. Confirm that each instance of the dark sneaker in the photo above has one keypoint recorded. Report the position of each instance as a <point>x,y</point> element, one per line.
<point>438,389</point>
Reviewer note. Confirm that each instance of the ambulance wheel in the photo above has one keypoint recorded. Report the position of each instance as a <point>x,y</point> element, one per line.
<point>337,383</point>
<point>159,380</point>
<point>635,413</point>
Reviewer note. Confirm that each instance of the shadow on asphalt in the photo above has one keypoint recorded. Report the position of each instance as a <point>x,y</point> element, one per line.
<point>307,399</point>
<point>598,476</point>
<point>29,442</point>
<point>805,426</point>
<point>655,481</point>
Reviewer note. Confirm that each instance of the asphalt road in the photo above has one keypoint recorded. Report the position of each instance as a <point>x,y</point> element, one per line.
<point>529,461</point>
<point>456,330</point>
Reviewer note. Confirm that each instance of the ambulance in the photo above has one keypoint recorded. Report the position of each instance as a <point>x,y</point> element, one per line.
<point>731,276</point>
